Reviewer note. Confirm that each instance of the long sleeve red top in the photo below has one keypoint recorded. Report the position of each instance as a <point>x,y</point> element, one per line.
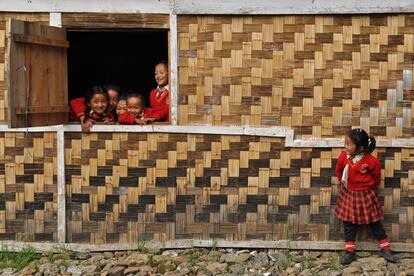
<point>161,102</point>
<point>129,119</point>
<point>77,110</point>
<point>362,175</point>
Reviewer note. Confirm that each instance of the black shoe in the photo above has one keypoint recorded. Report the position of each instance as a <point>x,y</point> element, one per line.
<point>387,255</point>
<point>348,258</point>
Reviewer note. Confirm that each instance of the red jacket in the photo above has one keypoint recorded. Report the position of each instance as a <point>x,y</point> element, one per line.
<point>129,119</point>
<point>162,102</point>
<point>363,175</point>
<point>77,110</point>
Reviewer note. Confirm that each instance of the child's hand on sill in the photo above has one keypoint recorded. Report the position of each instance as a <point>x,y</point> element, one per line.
<point>108,121</point>
<point>86,126</point>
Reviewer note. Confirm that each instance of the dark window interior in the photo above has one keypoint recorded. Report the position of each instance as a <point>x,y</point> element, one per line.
<point>124,57</point>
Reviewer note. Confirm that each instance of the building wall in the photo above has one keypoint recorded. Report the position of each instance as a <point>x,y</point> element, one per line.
<point>320,75</point>
<point>123,187</point>
<point>28,191</point>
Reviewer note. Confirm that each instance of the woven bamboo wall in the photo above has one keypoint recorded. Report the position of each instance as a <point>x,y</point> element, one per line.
<point>317,74</point>
<point>123,187</point>
<point>4,18</point>
<point>28,191</point>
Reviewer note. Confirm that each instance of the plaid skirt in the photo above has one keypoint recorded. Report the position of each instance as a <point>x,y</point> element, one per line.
<point>358,207</point>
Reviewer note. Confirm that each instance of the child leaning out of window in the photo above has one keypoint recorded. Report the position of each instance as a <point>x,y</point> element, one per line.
<point>136,113</point>
<point>96,109</point>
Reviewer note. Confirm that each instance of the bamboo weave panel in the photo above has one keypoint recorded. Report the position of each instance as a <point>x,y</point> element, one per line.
<point>320,75</point>
<point>28,190</point>
<point>124,187</point>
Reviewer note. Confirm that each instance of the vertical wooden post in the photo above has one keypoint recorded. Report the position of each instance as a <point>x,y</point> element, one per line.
<point>61,191</point>
<point>173,57</point>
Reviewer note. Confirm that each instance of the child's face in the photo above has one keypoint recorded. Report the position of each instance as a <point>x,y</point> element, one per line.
<point>161,74</point>
<point>98,103</point>
<point>134,105</point>
<point>113,99</point>
<point>350,147</point>
<point>120,107</point>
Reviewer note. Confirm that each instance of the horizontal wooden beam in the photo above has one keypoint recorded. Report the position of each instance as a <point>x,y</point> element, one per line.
<point>211,7</point>
<point>42,109</point>
<point>283,132</point>
<point>40,40</point>
<point>189,243</point>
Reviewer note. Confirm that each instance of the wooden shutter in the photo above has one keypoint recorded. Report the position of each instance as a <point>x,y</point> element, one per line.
<point>37,75</point>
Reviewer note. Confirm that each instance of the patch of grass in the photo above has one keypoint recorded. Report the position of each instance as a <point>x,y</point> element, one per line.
<point>142,246</point>
<point>214,245</point>
<point>17,260</point>
<point>63,248</point>
<point>334,262</point>
<point>195,254</point>
<point>287,261</point>
<point>311,264</point>
<point>49,255</point>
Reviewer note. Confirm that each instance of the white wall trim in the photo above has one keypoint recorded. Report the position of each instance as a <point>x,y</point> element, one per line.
<point>55,19</point>
<point>174,69</point>
<point>242,7</point>
<point>276,131</point>
<point>193,243</point>
<point>102,6</point>
<point>61,189</point>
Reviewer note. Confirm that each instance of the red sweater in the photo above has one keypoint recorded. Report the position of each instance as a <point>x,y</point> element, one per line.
<point>363,175</point>
<point>77,110</point>
<point>162,102</point>
<point>129,119</point>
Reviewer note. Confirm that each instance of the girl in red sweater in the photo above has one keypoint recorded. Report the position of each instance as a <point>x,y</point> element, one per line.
<point>360,176</point>
<point>78,105</point>
<point>96,109</point>
<point>136,113</point>
<point>159,97</point>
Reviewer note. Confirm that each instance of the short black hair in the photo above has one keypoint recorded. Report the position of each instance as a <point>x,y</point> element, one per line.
<point>112,86</point>
<point>132,93</point>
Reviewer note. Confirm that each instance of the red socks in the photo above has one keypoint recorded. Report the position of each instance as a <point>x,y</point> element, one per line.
<point>350,246</point>
<point>384,244</point>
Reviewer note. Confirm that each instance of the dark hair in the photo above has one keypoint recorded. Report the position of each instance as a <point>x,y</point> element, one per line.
<point>123,96</point>
<point>360,138</point>
<point>94,90</point>
<point>133,93</point>
<point>111,86</point>
<point>163,62</point>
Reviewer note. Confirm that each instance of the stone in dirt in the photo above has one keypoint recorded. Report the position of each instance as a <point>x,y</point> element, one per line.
<point>28,270</point>
<point>351,271</point>
<point>216,267</point>
<point>116,271</point>
<point>137,259</point>
<point>306,272</point>
<point>108,255</point>
<point>81,270</point>
<point>241,258</point>
<point>170,253</point>
<point>228,258</point>
<point>131,270</point>
<point>166,267</point>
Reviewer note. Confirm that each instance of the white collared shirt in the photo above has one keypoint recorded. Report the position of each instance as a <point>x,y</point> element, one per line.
<point>345,173</point>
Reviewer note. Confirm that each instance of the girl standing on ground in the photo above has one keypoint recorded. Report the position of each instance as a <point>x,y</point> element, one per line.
<point>359,174</point>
